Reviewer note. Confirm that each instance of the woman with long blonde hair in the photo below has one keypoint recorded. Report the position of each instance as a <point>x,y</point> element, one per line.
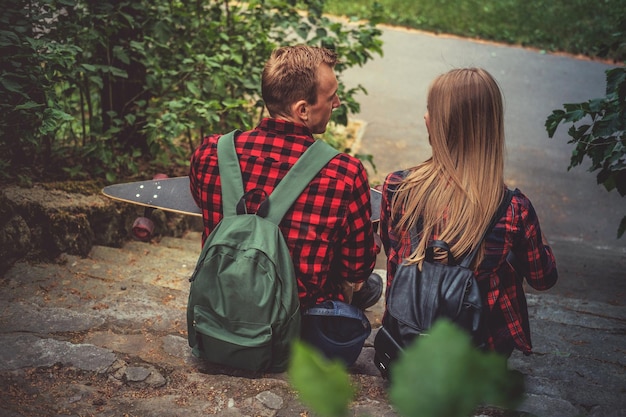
<point>453,196</point>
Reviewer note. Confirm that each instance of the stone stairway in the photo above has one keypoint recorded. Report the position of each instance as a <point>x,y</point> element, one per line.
<point>105,335</point>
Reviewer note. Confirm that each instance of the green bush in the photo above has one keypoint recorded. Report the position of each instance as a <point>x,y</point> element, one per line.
<point>105,88</point>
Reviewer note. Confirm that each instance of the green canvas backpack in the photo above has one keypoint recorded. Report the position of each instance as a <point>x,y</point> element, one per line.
<point>243,309</point>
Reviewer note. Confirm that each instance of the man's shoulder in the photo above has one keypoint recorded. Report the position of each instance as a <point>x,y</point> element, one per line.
<point>209,140</point>
<point>346,164</point>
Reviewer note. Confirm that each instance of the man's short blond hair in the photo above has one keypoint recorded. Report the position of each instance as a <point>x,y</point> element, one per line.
<point>290,75</point>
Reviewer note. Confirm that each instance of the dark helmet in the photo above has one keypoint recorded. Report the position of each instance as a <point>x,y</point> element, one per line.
<point>337,329</point>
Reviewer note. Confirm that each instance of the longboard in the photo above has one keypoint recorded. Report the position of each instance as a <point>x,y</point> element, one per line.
<point>173,194</point>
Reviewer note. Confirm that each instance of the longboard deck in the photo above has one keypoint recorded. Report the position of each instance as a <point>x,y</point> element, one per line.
<point>169,194</point>
<point>375,199</point>
<point>173,194</point>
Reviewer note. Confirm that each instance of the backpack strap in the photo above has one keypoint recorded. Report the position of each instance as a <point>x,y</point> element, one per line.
<point>230,173</point>
<point>288,189</point>
<point>506,201</point>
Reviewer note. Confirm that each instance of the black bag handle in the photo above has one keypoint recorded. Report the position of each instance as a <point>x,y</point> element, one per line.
<point>441,244</point>
<point>263,208</point>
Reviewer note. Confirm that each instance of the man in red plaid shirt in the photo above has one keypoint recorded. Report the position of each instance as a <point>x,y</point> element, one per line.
<point>328,229</point>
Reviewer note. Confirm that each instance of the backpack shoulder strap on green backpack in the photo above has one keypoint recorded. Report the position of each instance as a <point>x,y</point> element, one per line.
<point>285,193</point>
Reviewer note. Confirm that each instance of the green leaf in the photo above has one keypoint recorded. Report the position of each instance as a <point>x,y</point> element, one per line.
<point>192,87</point>
<point>117,72</point>
<point>322,385</point>
<point>369,158</point>
<point>128,17</point>
<point>571,107</point>
<point>120,53</point>
<point>607,126</point>
<point>622,228</point>
<point>443,375</point>
<point>579,133</point>
<point>28,105</point>
<point>97,80</point>
<point>553,121</point>
<point>620,182</point>
<point>303,30</point>
<point>11,85</point>
<point>8,38</point>
<point>607,179</point>
<point>574,115</point>
<point>614,78</point>
<point>130,118</point>
<point>137,46</point>
<point>596,105</point>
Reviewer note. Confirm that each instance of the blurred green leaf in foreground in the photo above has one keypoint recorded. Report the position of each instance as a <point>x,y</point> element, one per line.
<point>323,385</point>
<point>441,375</point>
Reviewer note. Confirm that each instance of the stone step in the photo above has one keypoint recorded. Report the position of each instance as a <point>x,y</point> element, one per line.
<point>168,263</point>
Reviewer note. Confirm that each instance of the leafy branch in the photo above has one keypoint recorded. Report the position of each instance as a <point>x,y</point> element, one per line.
<point>601,136</point>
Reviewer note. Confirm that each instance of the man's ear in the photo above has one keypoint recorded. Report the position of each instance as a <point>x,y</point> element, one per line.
<point>300,110</point>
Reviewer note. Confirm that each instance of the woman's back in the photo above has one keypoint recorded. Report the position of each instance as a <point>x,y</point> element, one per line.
<point>453,196</point>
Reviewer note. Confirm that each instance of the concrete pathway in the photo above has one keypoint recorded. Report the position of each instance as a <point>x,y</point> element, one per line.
<point>571,205</point>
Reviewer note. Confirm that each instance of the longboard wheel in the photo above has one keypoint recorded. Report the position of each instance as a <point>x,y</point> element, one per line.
<point>143,228</point>
<point>160,177</point>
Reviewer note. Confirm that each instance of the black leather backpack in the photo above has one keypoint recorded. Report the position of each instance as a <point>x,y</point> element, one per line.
<point>417,298</point>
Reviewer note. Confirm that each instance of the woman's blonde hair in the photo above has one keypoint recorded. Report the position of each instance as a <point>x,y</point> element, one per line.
<point>455,193</point>
<point>291,75</point>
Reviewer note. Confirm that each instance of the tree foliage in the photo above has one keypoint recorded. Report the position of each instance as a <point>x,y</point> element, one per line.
<point>600,135</point>
<point>95,86</point>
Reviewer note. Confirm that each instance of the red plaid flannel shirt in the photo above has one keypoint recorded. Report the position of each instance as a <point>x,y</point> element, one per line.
<point>518,232</point>
<point>328,229</point>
